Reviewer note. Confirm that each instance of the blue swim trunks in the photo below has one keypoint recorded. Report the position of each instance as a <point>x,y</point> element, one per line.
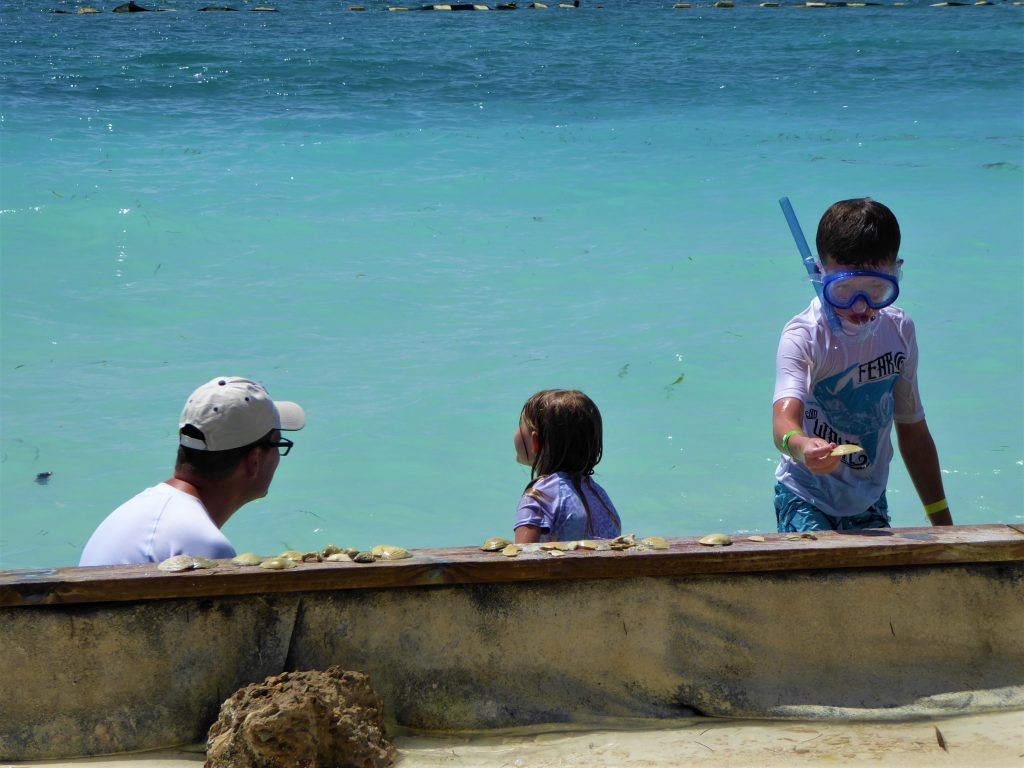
<point>794,515</point>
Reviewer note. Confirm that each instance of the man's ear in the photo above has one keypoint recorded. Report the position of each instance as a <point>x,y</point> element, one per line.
<point>252,460</point>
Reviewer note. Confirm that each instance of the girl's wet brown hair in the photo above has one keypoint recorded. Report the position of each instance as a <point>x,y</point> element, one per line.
<point>569,433</point>
<point>858,232</point>
<point>568,427</point>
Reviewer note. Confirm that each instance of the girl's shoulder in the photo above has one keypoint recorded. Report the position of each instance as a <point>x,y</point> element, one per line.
<point>553,488</point>
<point>545,488</point>
<point>598,489</point>
<point>549,484</point>
<point>594,487</point>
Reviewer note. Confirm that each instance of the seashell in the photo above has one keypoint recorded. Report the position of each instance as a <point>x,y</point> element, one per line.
<point>654,542</point>
<point>177,563</point>
<point>278,563</point>
<point>510,551</point>
<point>203,562</point>
<point>755,538</point>
<point>310,556</point>
<point>291,554</point>
<point>623,542</point>
<point>363,557</point>
<point>556,552</point>
<point>329,550</point>
<point>715,540</point>
<point>339,557</point>
<point>598,545</point>
<point>247,558</point>
<point>845,450</point>
<point>389,552</point>
<point>494,544</point>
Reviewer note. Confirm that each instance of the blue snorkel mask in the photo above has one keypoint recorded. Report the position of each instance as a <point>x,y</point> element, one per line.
<point>877,289</point>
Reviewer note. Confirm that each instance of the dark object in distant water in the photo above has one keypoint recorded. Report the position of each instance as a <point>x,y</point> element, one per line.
<point>1003,166</point>
<point>130,7</point>
<point>44,477</point>
<point>506,6</point>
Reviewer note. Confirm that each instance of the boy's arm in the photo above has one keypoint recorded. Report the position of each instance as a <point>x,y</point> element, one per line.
<point>787,416</point>
<point>922,461</point>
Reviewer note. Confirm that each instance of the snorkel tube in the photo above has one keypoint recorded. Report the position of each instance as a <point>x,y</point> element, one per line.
<point>810,264</point>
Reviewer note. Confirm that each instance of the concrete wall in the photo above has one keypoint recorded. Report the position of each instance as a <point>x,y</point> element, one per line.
<point>872,643</point>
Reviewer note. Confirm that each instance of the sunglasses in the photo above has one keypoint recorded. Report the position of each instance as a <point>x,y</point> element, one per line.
<point>284,445</point>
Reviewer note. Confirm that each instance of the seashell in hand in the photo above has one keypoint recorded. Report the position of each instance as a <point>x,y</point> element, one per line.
<point>845,450</point>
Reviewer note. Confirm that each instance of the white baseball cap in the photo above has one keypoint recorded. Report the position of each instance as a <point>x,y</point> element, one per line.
<point>231,412</point>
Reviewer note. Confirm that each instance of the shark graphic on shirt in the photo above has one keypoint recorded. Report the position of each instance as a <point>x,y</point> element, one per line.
<point>856,404</point>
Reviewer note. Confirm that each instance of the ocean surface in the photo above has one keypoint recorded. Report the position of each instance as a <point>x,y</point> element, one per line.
<point>410,222</point>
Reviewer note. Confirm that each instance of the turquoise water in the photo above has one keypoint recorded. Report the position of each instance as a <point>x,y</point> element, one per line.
<point>408,223</point>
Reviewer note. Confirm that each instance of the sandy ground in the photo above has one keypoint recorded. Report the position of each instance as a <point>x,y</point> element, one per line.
<point>989,740</point>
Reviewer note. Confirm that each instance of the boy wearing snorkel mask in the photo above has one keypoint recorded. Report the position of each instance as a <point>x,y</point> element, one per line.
<point>846,371</point>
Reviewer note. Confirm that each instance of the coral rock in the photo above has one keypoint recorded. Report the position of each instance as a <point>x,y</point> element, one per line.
<point>330,719</point>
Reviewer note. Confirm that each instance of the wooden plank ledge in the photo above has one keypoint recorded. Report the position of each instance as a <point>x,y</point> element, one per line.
<point>877,548</point>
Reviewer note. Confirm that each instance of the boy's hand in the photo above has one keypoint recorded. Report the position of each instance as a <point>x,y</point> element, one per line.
<point>815,453</point>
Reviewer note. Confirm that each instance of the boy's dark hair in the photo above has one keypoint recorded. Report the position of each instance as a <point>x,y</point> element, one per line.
<point>212,465</point>
<point>859,231</point>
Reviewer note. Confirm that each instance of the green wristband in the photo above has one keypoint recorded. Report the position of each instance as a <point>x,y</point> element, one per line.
<point>785,440</point>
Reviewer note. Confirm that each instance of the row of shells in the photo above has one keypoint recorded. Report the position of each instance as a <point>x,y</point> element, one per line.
<point>290,558</point>
<point>559,548</point>
<point>332,553</point>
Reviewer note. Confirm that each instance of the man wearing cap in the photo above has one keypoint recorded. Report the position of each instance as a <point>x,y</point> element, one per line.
<point>229,447</point>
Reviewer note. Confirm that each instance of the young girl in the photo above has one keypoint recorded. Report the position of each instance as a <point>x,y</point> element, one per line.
<point>559,438</point>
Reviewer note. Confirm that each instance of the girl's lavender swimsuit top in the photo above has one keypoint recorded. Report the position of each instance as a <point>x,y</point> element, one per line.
<point>560,513</point>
